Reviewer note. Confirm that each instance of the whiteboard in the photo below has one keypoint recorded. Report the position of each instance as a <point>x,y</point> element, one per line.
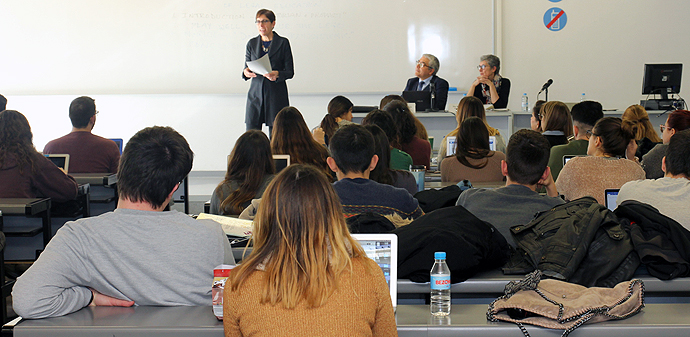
<point>197,47</point>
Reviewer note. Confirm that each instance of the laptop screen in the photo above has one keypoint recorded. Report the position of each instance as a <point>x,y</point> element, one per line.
<point>611,198</point>
<point>421,99</point>
<point>451,144</point>
<point>383,249</point>
<point>281,161</point>
<point>60,160</point>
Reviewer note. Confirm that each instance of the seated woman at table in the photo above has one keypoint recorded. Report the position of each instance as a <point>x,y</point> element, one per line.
<point>418,149</point>
<point>24,172</point>
<point>250,169</point>
<point>556,122</point>
<point>383,173</point>
<point>489,86</point>
<point>535,120</point>
<point>473,159</point>
<point>606,166</point>
<point>292,136</point>
<point>646,136</point>
<point>339,114</point>
<point>469,106</point>
<point>421,129</point>
<point>306,275</point>
<point>677,121</point>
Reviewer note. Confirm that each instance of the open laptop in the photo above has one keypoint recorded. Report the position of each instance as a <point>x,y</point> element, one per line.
<point>451,144</point>
<point>119,142</point>
<point>383,249</point>
<point>60,160</point>
<point>281,161</point>
<point>570,156</point>
<point>421,99</point>
<point>611,198</point>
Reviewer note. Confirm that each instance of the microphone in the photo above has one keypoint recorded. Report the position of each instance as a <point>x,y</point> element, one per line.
<point>545,86</point>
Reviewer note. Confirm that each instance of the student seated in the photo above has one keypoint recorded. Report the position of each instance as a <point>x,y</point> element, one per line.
<point>400,160</point>
<point>306,275</point>
<point>421,130</point>
<point>87,152</point>
<point>339,114</point>
<point>352,159</point>
<point>525,169</point>
<point>645,134</point>
<point>383,173</point>
<point>670,194</point>
<point>250,169</point>
<point>469,106</point>
<point>585,115</point>
<point>137,254</point>
<point>473,159</point>
<point>292,136</point>
<point>677,121</point>
<point>25,173</point>
<point>556,123</point>
<point>419,149</point>
<point>606,166</point>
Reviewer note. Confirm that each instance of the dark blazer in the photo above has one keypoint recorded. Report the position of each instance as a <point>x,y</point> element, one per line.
<point>503,93</point>
<point>265,98</point>
<point>441,90</point>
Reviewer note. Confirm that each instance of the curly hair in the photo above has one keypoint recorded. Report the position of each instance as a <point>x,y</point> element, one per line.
<point>16,139</point>
<point>403,119</point>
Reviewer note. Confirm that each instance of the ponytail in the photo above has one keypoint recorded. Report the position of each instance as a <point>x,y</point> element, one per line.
<point>329,125</point>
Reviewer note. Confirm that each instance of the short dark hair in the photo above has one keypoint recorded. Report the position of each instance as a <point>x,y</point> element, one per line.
<point>587,112</point>
<point>153,162</point>
<point>403,119</point>
<point>352,148</point>
<point>80,111</point>
<point>3,103</point>
<point>527,156</point>
<point>678,154</point>
<point>384,120</point>
<point>268,13</point>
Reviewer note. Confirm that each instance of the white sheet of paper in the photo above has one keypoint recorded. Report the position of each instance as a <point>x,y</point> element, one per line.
<point>262,66</point>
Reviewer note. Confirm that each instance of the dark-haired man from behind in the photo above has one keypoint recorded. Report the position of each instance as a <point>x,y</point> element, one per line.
<point>516,203</point>
<point>585,115</point>
<point>670,194</point>
<point>352,159</point>
<point>3,103</point>
<point>88,153</point>
<point>137,254</point>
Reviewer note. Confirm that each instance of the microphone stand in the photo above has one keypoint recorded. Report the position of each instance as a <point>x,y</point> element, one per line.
<point>432,108</point>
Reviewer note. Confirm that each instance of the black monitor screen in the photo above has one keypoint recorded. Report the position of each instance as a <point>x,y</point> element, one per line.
<point>662,79</point>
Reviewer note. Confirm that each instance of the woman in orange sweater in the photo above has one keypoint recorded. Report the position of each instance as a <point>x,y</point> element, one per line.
<point>306,275</point>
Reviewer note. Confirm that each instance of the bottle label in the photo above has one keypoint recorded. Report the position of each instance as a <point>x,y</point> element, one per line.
<point>440,282</point>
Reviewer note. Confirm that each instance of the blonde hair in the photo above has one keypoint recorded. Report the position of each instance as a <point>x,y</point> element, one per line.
<point>637,116</point>
<point>301,240</point>
<point>555,115</point>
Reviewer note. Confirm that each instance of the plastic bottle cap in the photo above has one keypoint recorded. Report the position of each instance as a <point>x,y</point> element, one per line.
<point>440,255</point>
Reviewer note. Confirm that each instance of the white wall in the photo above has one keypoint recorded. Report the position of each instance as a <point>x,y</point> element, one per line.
<point>601,52</point>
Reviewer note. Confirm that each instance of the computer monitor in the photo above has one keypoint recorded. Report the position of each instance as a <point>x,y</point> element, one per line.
<point>421,99</point>
<point>662,79</point>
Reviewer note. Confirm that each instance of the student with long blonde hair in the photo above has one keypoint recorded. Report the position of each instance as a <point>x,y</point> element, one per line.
<point>306,275</point>
<point>645,136</point>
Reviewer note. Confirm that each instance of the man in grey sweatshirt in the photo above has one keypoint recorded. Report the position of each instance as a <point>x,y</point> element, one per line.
<point>135,255</point>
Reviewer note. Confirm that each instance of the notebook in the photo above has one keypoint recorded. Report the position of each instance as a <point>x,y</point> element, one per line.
<point>611,197</point>
<point>383,249</point>
<point>60,160</point>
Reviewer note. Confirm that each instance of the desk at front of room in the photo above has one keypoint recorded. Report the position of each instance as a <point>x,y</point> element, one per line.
<point>439,124</point>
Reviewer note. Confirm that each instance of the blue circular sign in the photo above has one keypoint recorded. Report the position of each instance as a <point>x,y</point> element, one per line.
<point>555,0</point>
<point>555,19</point>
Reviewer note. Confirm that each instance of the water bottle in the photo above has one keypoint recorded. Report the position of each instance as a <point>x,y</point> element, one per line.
<point>583,97</point>
<point>440,286</point>
<point>525,103</point>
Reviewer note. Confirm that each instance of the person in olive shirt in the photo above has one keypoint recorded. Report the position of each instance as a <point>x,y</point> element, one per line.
<point>585,115</point>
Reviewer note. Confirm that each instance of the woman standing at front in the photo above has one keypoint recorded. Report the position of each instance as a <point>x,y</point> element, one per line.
<point>268,93</point>
<point>489,86</point>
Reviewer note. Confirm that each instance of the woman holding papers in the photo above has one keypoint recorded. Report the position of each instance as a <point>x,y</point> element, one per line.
<point>268,91</point>
<point>306,275</point>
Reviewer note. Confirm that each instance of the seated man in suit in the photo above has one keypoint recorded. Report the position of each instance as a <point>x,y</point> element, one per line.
<point>137,254</point>
<point>670,194</point>
<point>88,153</point>
<point>516,203</point>
<point>352,159</point>
<point>426,74</point>
<point>585,115</point>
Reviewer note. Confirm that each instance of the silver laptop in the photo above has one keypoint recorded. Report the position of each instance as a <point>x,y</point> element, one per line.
<point>60,160</point>
<point>383,249</point>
